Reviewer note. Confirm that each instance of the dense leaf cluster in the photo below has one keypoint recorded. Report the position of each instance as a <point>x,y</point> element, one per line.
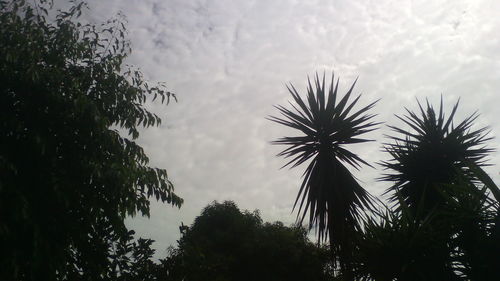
<point>433,153</point>
<point>446,209</point>
<point>226,244</point>
<point>460,240</point>
<point>71,170</point>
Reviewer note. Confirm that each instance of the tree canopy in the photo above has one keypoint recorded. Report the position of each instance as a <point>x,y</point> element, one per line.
<point>71,171</point>
<point>225,243</point>
<point>70,114</point>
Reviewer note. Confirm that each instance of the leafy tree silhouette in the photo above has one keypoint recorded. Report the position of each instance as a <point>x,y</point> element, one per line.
<point>71,170</point>
<point>225,243</point>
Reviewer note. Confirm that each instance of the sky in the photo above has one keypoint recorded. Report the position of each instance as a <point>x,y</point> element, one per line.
<point>229,62</point>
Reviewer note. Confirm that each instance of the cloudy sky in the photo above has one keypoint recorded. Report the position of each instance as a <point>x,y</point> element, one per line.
<point>229,61</point>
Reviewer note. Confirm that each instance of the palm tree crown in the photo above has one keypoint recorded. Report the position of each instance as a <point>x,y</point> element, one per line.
<point>329,192</point>
<point>433,154</point>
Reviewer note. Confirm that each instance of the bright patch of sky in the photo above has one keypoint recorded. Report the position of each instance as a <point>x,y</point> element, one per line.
<point>228,61</point>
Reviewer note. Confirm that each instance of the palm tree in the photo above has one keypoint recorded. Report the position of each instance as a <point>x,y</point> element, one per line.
<point>458,241</point>
<point>329,192</point>
<point>443,211</point>
<point>432,154</point>
<point>474,215</point>
<point>396,246</point>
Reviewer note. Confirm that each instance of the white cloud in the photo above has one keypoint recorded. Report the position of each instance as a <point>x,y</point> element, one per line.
<point>228,62</point>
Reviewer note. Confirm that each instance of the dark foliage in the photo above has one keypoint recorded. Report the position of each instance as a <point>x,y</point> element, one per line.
<point>329,192</point>
<point>444,226</point>
<point>459,241</point>
<point>473,216</point>
<point>226,244</point>
<point>68,176</point>
<point>128,259</point>
<point>395,246</point>
<point>431,154</point>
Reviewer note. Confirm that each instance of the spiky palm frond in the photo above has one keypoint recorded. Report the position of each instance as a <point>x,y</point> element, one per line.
<point>431,152</point>
<point>459,241</point>
<point>398,246</point>
<point>473,215</point>
<point>329,192</point>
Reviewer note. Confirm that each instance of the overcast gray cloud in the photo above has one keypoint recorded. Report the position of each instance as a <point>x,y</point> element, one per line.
<point>228,61</point>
